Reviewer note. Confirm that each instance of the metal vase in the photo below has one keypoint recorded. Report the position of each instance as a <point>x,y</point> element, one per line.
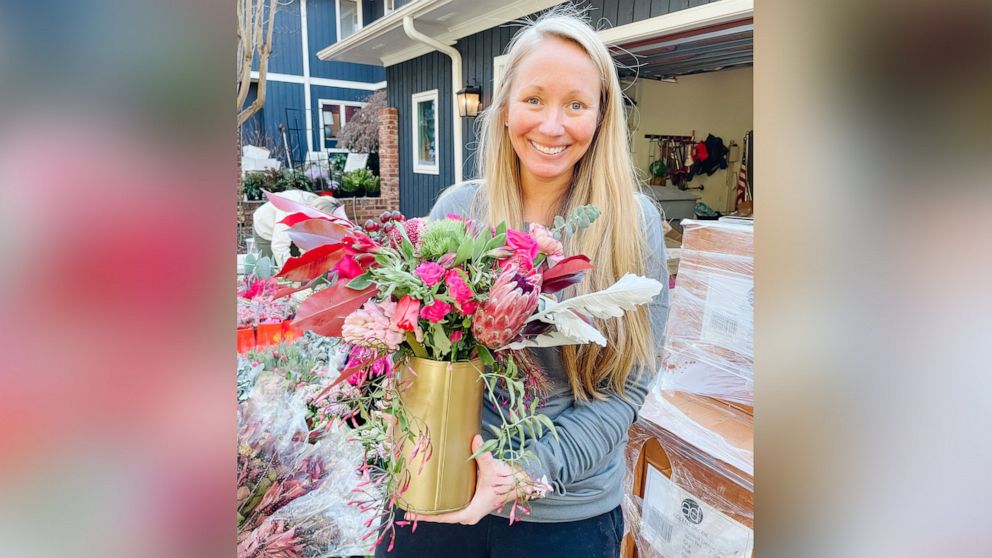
<point>446,399</point>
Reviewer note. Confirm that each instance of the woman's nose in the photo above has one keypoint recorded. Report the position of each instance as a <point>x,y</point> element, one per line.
<point>551,123</point>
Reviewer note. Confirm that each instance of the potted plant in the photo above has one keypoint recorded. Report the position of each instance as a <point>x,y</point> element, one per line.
<point>252,184</point>
<point>360,182</point>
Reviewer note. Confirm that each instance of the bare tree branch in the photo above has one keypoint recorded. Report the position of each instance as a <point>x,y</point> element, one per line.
<point>251,44</point>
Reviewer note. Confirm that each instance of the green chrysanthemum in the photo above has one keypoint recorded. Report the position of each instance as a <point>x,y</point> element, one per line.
<point>442,236</point>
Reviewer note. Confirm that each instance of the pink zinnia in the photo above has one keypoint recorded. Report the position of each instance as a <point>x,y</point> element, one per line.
<point>430,273</point>
<point>457,288</point>
<point>435,312</point>
<point>522,243</point>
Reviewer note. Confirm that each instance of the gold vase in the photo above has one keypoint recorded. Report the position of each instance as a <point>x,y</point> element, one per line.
<point>446,399</point>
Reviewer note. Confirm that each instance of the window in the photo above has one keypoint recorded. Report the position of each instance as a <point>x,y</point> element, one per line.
<point>499,70</point>
<point>425,132</point>
<point>389,7</point>
<point>333,116</point>
<point>349,18</point>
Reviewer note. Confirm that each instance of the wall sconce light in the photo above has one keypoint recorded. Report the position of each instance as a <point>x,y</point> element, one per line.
<point>469,100</point>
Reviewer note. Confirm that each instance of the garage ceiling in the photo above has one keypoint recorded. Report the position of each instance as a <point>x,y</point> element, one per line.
<point>708,49</point>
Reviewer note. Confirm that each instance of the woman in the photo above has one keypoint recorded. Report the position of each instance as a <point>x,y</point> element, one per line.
<point>555,138</point>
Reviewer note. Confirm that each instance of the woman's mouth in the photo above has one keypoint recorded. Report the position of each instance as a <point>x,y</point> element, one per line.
<point>547,149</point>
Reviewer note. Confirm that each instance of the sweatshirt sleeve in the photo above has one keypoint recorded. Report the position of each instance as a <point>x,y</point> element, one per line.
<point>280,240</point>
<point>590,431</point>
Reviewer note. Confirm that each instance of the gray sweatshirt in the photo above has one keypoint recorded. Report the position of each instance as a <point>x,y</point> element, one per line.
<point>585,466</point>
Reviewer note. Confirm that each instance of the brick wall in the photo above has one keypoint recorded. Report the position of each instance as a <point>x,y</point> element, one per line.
<point>360,209</point>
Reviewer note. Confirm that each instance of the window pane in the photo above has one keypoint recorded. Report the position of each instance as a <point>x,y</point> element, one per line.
<point>426,141</point>
<point>349,18</point>
<point>331,118</point>
<point>349,112</point>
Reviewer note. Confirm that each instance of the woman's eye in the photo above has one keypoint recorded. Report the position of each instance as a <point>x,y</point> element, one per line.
<point>575,105</point>
<point>532,101</point>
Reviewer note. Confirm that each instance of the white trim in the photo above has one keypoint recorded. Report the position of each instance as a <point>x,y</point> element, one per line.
<point>499,70</point>
<point>337,16</point>
<point>388,7</point>
<point>344,120</point>
<point>682,20</point>
<point>415,129</point>
<point>306,74</point>
<point>326,82</point>
<point>456,84</point>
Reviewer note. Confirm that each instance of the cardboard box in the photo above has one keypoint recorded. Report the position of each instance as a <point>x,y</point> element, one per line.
<point>686,502</point>
<point>709,345</point>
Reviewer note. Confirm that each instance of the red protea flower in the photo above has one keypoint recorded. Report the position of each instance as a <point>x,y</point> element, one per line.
<point>512,299</point>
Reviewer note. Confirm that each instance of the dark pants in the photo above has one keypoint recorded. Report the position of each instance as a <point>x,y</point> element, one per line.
<point>493,537</point>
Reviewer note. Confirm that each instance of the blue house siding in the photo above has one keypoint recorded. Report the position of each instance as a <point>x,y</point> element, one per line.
<point>284,105</point>
<point>287,41</point>
<point>424,73</point>
<point>321,32</point>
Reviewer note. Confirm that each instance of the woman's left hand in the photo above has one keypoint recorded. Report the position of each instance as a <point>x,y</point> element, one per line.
<point>495,485</point>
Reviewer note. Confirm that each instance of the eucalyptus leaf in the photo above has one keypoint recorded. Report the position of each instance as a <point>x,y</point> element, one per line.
<point>360,282</point>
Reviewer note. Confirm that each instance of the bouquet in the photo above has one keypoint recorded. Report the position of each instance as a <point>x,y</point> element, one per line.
<point>453,290</point>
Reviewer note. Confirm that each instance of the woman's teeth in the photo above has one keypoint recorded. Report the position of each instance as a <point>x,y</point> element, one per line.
<point>549,150</point>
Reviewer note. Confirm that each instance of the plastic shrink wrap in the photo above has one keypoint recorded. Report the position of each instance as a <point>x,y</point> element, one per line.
<point>689,482</point>
<point>709,345</point>
<point>293,496</point>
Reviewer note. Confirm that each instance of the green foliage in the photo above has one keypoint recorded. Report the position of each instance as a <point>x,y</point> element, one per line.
<point>442,236</point>
<point>359,182</point>
<point>292,179</point>
<point>252,184</point>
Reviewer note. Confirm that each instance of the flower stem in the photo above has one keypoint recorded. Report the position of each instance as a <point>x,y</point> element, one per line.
<point>418,348</point>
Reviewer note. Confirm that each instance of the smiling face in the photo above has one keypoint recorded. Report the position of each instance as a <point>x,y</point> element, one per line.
<point>553,110</point>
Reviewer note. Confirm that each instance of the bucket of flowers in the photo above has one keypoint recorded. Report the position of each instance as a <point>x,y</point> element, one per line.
<point>440,315</point>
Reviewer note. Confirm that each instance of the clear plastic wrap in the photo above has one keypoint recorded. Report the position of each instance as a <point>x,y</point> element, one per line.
<point>323,517</point>
<point>709,344</point>
<point>689,487</point>
<point>293,496</point>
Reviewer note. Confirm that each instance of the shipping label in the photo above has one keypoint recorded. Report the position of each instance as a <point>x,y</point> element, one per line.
<point>677,524</point>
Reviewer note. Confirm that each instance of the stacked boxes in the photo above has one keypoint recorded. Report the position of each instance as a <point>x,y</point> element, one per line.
<point>690,455</point>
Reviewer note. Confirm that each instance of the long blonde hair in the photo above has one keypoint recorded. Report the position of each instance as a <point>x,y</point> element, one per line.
<point>604,177</point>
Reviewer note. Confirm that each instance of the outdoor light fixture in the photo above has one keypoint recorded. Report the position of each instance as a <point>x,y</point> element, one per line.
<point>469,99</point>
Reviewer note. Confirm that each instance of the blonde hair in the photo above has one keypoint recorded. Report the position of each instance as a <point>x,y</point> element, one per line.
<point>604,177</point>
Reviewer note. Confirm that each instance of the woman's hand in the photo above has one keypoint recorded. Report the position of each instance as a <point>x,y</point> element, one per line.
<point>495,485</point>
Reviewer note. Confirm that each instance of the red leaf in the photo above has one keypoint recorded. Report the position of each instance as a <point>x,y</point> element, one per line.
<point>290,206</point>
<point>312,264</point>
<point>567,272</point>
<point>286,291</point>
<point>325,311</point>
<point>295,218</point>
<point>311,233</point>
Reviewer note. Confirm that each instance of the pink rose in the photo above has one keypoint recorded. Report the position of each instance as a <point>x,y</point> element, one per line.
<point>405,317</point>
<point>522,243</point>
<point>456,336</point>
<point>435,312</point>
<point>546,243</point>
<point>430,273</point>
<point>457,287</point>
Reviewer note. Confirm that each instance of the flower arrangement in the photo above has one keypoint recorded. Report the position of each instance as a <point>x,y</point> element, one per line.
<point>452,290</point>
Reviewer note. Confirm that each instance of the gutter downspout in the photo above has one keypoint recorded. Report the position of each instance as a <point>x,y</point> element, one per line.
<point>456,78</point>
